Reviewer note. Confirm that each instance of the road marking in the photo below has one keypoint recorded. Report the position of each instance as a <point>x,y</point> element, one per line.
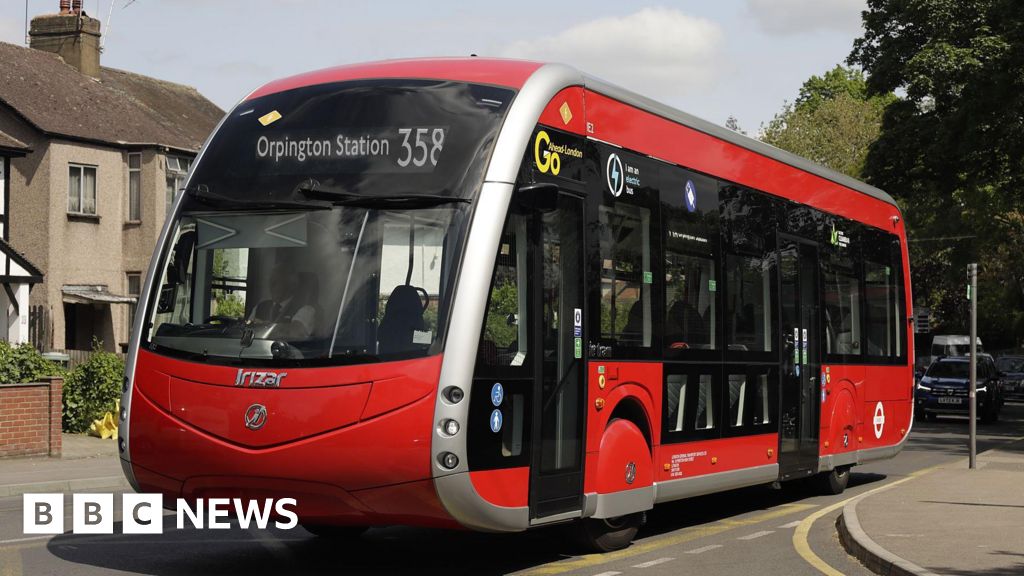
<point>792,524</point>
<point>652,544</point>
<point>27,539</point>
<point>652,563</point>
<point>612,573</point>
<point>703,549</point>
<point>803,548</point>
<point>756,535</point>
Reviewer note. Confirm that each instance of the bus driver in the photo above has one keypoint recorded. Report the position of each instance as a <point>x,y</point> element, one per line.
<point>286,306</point>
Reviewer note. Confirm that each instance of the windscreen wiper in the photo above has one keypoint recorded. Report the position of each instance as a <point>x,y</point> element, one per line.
<point>311,189</point>
<point>202,193</point>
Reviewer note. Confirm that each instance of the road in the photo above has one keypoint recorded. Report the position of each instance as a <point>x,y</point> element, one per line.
<point>751,531</point>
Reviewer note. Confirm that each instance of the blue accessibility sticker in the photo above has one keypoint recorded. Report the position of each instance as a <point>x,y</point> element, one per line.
<point>496,421</point>
<point>497,394</point>
<point>691,196</point>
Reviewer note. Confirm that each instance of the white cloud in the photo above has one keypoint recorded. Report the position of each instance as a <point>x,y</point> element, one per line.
<point>658,52</point>
<point>785,17</point>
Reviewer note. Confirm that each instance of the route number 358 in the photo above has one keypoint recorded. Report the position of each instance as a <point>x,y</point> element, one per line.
<point>418,148</point>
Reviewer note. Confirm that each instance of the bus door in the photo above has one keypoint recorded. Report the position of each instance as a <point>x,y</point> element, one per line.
<point>800,403</point>
<point>557,297</point>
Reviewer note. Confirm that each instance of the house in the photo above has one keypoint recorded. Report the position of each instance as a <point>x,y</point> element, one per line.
<point>96,156</point>
<point>17,274</point>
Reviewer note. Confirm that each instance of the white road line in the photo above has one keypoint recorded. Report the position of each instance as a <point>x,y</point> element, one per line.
<point>792,524</point>
<point>703,549</point>
<point>29,539</point>
<point>756,535</point>
<point>608,574</point>
<point>650,563</point>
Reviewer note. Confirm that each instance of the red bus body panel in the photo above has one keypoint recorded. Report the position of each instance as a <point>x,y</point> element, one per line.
<point>348,441</point>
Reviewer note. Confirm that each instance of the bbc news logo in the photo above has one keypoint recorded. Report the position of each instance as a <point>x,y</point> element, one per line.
<point>143,513</point>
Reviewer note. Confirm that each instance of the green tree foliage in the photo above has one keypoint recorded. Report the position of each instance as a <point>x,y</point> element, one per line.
<point>92,389</point>
<point>833,122</point>
<point>502,306</point>
<point>23,363</point>
<point>952,150</point>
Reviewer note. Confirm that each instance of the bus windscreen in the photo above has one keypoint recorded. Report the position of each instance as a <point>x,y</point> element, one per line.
<point>323,225</point>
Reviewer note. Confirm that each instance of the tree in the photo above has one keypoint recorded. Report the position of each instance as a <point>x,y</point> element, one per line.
<point>732,123</point>
<point>952,150</point>
<point>833,122</point>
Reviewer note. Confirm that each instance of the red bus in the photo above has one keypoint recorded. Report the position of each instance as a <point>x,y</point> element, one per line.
<point>498,294</point>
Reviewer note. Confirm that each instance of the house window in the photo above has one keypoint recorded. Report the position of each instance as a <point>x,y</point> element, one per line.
<point>81,189</point>
<point>134,288</point>
<point>177,169</point>
<point>134,187</point>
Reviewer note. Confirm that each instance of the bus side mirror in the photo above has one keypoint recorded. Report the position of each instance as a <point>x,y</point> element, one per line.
<point>539,197</point>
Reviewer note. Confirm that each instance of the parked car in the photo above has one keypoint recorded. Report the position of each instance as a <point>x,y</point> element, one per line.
<point>1012,376</point>
<point>944,387</point>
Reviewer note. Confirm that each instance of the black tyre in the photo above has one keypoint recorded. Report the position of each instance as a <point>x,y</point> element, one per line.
<point>835,481</point>
<point>335,532</point>
<point>608,534</point>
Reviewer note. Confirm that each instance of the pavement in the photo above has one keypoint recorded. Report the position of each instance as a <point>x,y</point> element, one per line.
<point>86,463</point>
<point>948,519</point>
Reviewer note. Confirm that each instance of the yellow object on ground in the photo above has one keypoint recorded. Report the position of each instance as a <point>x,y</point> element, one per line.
<point>105,427</point>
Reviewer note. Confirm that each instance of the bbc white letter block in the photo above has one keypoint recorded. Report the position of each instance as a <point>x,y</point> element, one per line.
<point>92,514</point>
<point>42,514</point>
<point>142,513</point>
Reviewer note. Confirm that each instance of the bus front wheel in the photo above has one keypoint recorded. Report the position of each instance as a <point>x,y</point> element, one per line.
<point>609,534</point>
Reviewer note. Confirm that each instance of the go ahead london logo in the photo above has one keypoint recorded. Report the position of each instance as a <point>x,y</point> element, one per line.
<point>143,513</point>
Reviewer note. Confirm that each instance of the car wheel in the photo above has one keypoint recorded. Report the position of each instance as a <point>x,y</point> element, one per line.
<point>608,534</point>
<point>834,481</point>
<point>340,533</point>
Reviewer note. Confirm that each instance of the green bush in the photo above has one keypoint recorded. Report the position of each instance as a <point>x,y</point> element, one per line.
<point>23,363</point>
<point>92,389</point>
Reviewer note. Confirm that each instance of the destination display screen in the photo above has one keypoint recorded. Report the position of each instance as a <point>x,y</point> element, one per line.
<point>376,137</point>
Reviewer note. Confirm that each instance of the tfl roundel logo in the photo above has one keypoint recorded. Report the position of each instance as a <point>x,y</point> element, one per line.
<point>613,173</point>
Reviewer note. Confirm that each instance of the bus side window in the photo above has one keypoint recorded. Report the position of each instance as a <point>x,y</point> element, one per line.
<point>505,332</point>
<point>626,275</point>
<point>748,303</point>
<point>842,311</point>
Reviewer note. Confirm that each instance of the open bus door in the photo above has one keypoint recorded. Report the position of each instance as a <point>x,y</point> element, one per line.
<point>557,298</point>
<point>800,403</point>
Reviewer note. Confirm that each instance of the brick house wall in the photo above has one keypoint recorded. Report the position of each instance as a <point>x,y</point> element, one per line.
<point>30,418</point>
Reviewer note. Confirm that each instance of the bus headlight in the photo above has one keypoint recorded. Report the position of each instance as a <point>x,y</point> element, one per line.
<point>448,460</point>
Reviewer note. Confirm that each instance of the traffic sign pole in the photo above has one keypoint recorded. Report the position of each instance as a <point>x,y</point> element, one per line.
<point>972,294</point>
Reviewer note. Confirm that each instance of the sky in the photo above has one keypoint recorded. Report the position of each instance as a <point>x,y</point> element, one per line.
<point>712,59</point>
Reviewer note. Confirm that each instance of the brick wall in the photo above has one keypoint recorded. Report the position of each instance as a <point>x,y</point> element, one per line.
<point>30,418</point>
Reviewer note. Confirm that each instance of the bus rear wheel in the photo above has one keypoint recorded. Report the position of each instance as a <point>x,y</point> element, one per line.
<point>835,480</point>
<point>335,532</point>
<point>609,534</point>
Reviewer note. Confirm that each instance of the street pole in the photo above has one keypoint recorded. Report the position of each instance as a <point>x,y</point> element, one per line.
<point>972,292</point>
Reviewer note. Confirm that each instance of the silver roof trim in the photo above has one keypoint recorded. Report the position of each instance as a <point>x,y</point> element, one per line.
<point>722,133</point>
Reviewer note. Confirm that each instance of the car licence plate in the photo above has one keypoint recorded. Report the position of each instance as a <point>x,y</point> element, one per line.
<point>949,400</point>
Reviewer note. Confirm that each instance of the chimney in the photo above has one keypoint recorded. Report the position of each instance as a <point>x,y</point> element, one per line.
<point>71,34</point>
